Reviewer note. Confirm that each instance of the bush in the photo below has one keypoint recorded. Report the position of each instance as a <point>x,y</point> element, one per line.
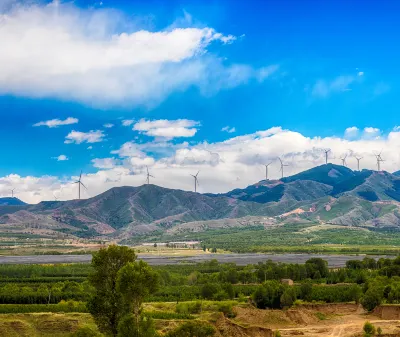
<point>195,328</point>
<point>86,332</point>
<point>128,327</point>
<point>226,309</point>
<point>188,308</point>
<point>277,333</point>
<point>369,329</point>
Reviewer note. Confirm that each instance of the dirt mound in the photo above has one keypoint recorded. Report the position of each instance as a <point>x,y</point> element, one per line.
<point>228,328</point>
<point>334,308</point>
<point>387,311</point>
<point>274,318</point>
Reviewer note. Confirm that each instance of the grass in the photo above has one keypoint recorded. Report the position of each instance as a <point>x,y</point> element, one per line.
<point>43,325</point>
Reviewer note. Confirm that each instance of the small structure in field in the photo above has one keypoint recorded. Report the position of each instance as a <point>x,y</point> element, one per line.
<point>287,281</point>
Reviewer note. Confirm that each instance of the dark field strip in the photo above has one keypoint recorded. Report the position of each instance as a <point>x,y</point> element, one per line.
<point>334,261</point>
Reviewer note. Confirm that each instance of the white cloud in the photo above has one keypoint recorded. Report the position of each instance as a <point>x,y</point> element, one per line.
<point>360,73</point>
<point>90,147</point>
<point>108,125</point>
<point>228,129</point>
<point>370,132</point>
<point>167,128</point>
<point>105,163</point>
<point>61,157</point>
<point>127,122</point>
<point>54,123</point>
<point>323,88</point>
<point>351,132</point>
<point>100,57</point>
<point>78,137</point>
<point>236,162</point>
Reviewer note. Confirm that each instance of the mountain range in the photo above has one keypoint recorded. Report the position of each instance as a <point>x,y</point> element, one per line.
<point>328,193</point>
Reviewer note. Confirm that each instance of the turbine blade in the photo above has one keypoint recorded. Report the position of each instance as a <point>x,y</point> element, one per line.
<point>197,173</point>
<point>83,184</point>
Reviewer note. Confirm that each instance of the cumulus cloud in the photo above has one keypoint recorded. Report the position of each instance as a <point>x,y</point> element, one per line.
<point>54,123</point>
<point>167,128</point>
<point>78,137</point>
<point>61,157</point>
<point>108,125</point>
<point>235,162</point>
<point>370,132</point>
<point>351,132</point>
<point>100,57</point>
<point>228,129</point>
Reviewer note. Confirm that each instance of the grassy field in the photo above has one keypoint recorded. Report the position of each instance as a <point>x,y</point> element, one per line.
<point>43,324</point>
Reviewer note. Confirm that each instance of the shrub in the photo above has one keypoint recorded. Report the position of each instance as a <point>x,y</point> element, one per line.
<point>369,329</point>
<point>195,328</point>
<point>277,333</point>
<point>86,332</point>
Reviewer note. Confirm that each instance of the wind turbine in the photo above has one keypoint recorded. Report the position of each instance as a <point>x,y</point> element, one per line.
<point>282,165</point>
<point>379,160</point>
<point>196,181</point>
<point>55,197</point>
<point>148,175</point>
<point>266,170</point>
<point>358,163</point>
<point>12,193</point>
<point>326,155</point>
<point>79,182</point>
<point>344,160</point>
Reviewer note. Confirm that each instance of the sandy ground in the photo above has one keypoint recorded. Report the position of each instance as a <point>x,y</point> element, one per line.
<point>338,320</point>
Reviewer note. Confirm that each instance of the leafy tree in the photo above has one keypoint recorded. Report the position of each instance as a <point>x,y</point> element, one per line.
<point>106,305</point>
<point>209,289</point>
<point>372,298</point>
<point>277,333</point>
<point>192,329</point>
<point>135,282</point>
<point>306,290</point>
<point>317,264</point>
<point>379,331</point>
<point>288,297</point>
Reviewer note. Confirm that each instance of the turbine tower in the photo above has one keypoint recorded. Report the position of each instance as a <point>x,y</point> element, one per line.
<point>196,181</point>
<point>148,176</point>
<point>379,160</point>
<point>358,163</point>
<point>12,193</point>
<point>326,155</point>
<point>344,160</point>
<point>266,170</point>
<point>79,182</point>
<point>282,165</point>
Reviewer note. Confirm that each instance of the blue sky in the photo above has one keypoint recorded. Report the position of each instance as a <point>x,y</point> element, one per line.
<point>182,71</point>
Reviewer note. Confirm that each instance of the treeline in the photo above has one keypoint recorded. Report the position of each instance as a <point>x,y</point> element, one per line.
<point>12,293</point>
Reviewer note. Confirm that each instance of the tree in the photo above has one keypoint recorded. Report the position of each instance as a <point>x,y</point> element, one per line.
<point>106,305</point>
<point>288,297</point>
<point>372,298</point>
<point>136,281</point>
<point>379,331</point>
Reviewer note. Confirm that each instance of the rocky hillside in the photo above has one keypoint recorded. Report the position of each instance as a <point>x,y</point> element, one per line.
<point>325,194</point>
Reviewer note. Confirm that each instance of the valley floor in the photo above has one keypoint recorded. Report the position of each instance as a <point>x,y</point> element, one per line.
<point>325,320</point>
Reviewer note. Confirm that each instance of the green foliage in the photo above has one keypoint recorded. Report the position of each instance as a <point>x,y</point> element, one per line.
<point>70,306</point>
<point>369,329</point>
<point>321,316</point>
<point>188,308</point>
<point>288,297</point>
<point>130,326</point>
<point>268,295</point>
<point>106,305</point>
<point>86,332</point>
<point>379,331</point>
<point>277,334</point>
<point>192,329</point>
<point>372,298</point>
